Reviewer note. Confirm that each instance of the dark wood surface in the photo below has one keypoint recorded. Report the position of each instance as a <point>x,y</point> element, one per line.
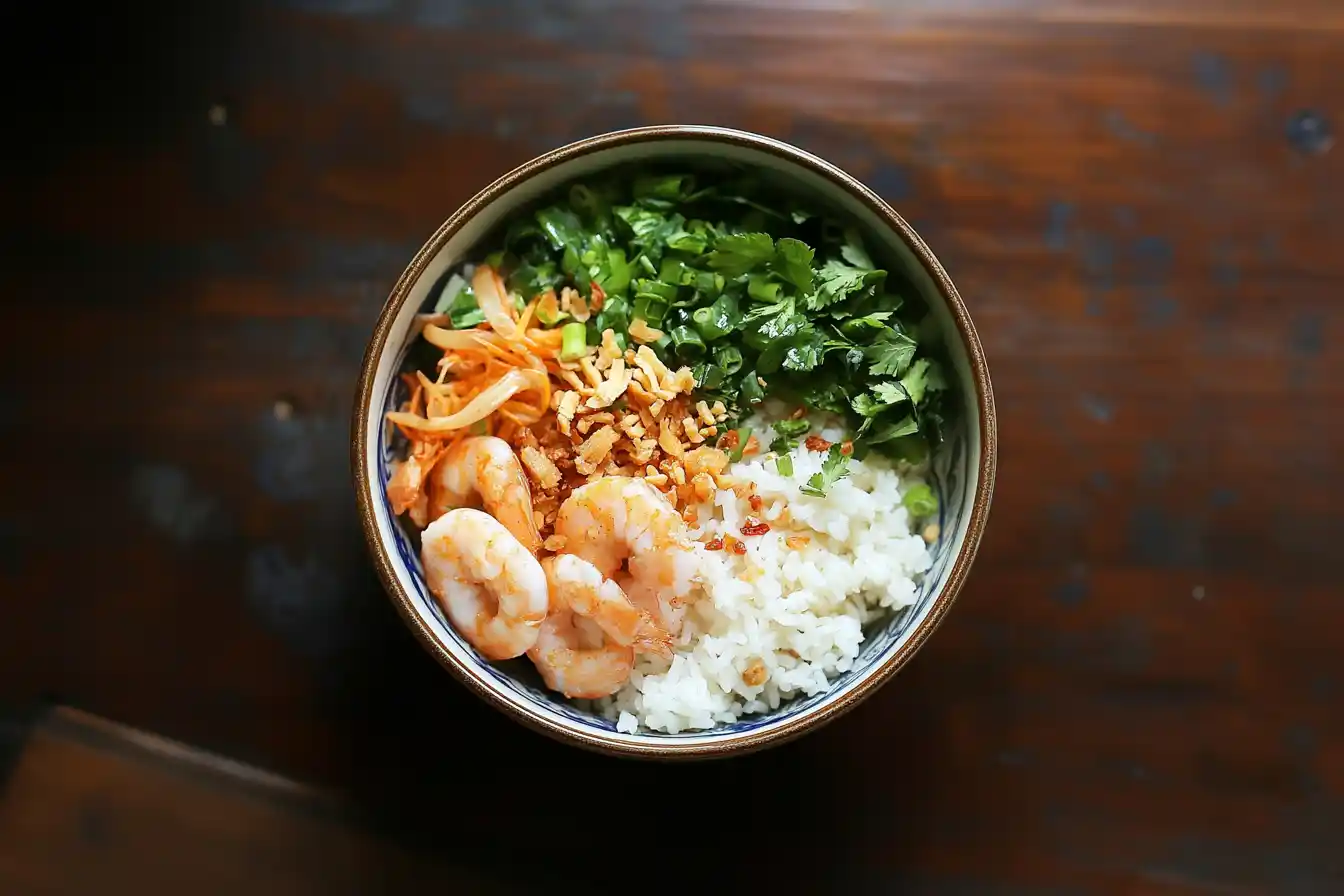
<point>1140,688</point>
<point>95,807</point>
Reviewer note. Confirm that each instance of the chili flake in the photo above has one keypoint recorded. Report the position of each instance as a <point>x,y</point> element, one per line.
<point>752,526</point>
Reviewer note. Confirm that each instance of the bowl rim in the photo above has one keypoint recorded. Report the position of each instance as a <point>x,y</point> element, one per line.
<point>737,743</point>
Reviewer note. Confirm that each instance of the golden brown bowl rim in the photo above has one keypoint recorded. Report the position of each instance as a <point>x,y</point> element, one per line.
<point>738,743</point>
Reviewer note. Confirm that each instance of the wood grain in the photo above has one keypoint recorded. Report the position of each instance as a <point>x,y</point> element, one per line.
<point>1138,691</point>
<point>94,806</point>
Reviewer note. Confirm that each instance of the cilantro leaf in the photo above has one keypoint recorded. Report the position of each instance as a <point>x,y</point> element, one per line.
<point>826,392</point>
<point>837,280</point>
<point>886,431</point>
<point>776,300</point>
<point>805,349</point>
<point>853,252</point>
<point>685,241</point>
<point>865,405</point>
<point>834,468</point>
<point>791,429</point>
<point>923,375</point>
<point>890,354</point>
<point>735,255</point>
<point>652,229</point>
<point>793,262</point>
<point>883,395</point>
<point>863,328</point>
<point>449,293</point>
<point>771,325</point>
<point>893,393</point>
<point>463,310</point>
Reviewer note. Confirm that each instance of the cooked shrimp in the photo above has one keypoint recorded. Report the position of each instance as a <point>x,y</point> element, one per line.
<point>484,471</point>
<point>585,646</point>
<point>579,586</point>
<point>406,490</point>
<point>569,663</point>
<point>619,520</point>
<point>492,588</point>
<point>669,611</point>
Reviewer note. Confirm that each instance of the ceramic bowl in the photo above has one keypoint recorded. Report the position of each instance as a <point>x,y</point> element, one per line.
<point>963,468</point>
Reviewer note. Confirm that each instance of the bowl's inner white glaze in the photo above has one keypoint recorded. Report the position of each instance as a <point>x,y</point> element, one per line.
<point>955,467</point>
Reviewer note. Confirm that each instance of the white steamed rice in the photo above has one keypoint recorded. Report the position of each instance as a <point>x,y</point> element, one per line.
<point>800,612</point>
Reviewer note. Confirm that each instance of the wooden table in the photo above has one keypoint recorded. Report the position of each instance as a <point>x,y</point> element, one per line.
<point>1140,689</point>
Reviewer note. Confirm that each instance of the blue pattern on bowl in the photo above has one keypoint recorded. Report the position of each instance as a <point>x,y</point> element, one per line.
<point>946,479</point>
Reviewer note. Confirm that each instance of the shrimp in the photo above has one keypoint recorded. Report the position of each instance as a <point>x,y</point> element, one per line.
<point>585,648</point>
<point>406,492</point>
<point>668,611</point>
<point>484,471</point>
<point>578,585</point>
<point>492,588</point>
<point>619,520</point>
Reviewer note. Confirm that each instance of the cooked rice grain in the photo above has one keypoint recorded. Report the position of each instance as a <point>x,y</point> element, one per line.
<point>786,616</point>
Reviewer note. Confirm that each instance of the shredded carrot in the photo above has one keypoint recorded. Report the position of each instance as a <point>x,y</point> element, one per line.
<point>494,379</point>
<point>526,317</point>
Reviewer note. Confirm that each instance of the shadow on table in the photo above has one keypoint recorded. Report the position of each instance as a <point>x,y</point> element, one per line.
<point>439,770</point>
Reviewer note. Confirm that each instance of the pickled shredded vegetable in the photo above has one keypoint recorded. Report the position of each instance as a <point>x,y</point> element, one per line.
<point>484,403</point>
<point>492,380</point>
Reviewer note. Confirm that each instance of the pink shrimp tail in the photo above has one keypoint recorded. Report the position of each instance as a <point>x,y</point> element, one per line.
<point>650,637</point>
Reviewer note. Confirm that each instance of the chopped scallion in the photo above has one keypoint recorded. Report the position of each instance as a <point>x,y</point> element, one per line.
<point>743,436</point>
<point>920,501</point>
<point>573,341</point>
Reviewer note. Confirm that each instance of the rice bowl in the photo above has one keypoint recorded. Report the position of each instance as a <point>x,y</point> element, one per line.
<point>813,597</point>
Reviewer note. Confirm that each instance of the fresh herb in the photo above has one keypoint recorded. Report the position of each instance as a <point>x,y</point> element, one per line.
<point>459,303</point>
<point>743,436</point>
<point>687,344</point>
<point>793,262</point>
<point>784,465</point>
<point>788,434</point>
<point>838,280</point>
<point>757,295</point>
<point>734,255</point>
<point>922,376</point>
<point>864,328</point>
<point>449,294</point>
<point>834,468</point>
<point>573,341</point>
<point>920,501</point>
<point>889,430</point>
<point>890,354</point>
